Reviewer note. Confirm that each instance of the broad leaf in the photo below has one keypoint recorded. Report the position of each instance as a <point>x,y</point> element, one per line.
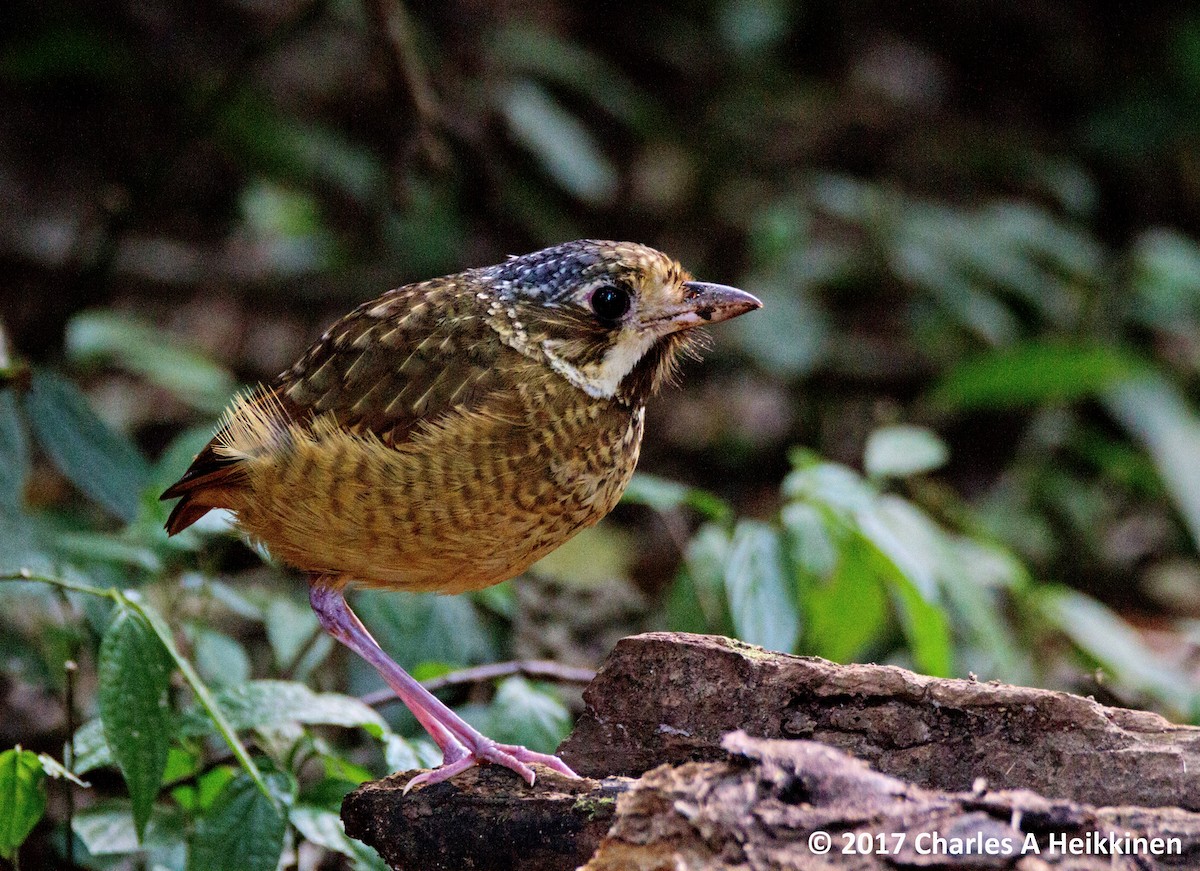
<point>14,453</point>
<point>101,463</point>
<point>269,704</point>
<point>134,345</point>
<point>107,829</point>
<point>1158,415</point>
<point>290,626</point>
<point>417,627</point>
<point>89,749</point>
<point>662,494</point>
<point>527,714</point>
<point>241,831</point>
<point>324,828</point>
<point>761,603</point>
<point>903,451</point>
<point>220,659</point>
<point>403,754</point>
<point>845,613</point>
<point>1117,646</point>
<point>565,147</point>
<point>134,679</point>
<point>1035,373</point>
<point>924,624</point>
<point>22,798</point>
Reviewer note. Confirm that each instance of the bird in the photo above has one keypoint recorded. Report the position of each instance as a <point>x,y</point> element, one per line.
<point>448,434</point>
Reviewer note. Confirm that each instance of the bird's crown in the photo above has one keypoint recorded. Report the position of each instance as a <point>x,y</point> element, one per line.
<point>611,317</point>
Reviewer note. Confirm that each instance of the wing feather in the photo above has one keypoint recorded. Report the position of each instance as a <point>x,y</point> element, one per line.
<point>411,357</point>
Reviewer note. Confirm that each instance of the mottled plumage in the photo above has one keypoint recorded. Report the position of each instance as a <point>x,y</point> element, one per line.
<point>450,433</point>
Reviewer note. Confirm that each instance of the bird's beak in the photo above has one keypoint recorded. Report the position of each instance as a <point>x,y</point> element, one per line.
<point>705,303</point>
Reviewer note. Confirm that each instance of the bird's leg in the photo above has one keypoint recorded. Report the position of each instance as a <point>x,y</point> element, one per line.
<point>462,745</point>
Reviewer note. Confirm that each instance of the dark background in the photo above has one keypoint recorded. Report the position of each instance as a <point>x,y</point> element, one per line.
<point>976,218</point>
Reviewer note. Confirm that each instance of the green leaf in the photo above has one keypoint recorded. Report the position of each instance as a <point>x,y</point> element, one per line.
<point>269,704</point>
<point>846,613</point>
<point>203,694</point>
<point>1117,646</point>
<point>22,798</point>
<point>101,463</point>
<point>417,627</point>
<point>662,494</point>
<point>760,599</point>
<point>400,753</point>
<point>924,625</point>
<point>1166,279</point>
<point>324,828</point>
<point>174,461</point>
<point>91,547</point>
<point>568,63</point>
<point>290,626</point>
<point>838,487</point>
<point>561,143</point>
<point>528,714</point>
<point>903,451</point>
<point>242,831</point>
<point>107,829</point>
<point>14,453</point>
<point>134,679</point>
<point>1034,373</point>
<point>1159,416</point>
<point>129,342</point>
<point>89,749</point>
<point>220,659</point>
<point>703,575</point>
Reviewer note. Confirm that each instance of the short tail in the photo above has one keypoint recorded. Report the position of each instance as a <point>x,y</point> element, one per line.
<point>257,421</point>
<point>204,486</point>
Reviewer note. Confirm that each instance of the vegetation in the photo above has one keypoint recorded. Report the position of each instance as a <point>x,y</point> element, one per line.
<point>961,437</point>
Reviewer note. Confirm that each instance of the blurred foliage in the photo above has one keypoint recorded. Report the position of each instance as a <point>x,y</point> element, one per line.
<point>974,227</point>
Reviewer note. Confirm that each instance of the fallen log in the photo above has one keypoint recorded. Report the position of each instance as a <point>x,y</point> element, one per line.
<point>1061,780</point>
<point>797,804</point>
<point>671,697</point>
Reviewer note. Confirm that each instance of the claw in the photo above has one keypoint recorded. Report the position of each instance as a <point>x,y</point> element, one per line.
<point>525,755</point>
<point>506,755</point>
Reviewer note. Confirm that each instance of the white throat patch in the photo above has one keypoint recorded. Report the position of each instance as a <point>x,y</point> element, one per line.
<point>602,379</point>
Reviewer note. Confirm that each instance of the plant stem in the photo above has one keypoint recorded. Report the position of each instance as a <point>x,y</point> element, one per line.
<point>133,600</point>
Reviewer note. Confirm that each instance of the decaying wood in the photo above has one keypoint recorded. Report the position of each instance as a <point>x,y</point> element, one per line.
<point>670,697</point>
<point>962,759</point>
<point>765,808</point>
<point>484,818</point>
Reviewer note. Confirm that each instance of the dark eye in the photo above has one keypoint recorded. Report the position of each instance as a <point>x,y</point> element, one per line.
<point>610,302</point>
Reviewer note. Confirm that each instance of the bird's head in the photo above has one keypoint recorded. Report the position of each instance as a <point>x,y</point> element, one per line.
<point>612,318</point>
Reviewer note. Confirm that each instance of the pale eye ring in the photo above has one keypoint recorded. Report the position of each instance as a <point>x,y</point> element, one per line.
<point>610,302</point>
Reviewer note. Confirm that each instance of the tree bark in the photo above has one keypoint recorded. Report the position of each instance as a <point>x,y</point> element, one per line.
<point>955,759</point>
<point>670,697</point>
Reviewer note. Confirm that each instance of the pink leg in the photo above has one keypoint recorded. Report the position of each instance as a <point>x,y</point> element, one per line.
<point>462,745</point>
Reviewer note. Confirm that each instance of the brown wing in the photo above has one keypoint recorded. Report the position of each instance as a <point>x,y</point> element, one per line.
<point>414,355</point>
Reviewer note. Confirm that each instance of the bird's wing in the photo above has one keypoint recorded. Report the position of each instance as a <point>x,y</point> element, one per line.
<point>410,358</point>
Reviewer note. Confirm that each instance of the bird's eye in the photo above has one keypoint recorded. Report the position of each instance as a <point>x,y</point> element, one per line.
<point>610,302</point>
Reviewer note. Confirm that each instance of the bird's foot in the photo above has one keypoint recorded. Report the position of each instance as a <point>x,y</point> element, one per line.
<point>511,756</point>
<point>525,755</point>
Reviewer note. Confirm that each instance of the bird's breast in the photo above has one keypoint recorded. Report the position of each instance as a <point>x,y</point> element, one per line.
<point>469,501</point>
